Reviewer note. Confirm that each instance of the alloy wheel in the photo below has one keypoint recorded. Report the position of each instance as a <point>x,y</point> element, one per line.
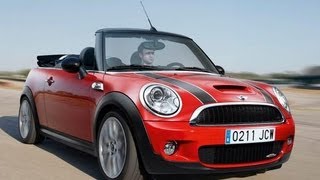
<point>112,147</point>
<point>25,116</point>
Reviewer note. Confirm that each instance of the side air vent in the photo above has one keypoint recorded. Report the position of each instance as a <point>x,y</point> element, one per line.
<point>242,153</point>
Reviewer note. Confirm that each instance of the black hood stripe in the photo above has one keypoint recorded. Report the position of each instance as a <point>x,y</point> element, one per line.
<point>202,95</point>
<point>266,95</point>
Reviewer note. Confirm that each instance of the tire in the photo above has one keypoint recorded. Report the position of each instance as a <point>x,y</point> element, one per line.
<point>117,154</point>
<point>28,123</point>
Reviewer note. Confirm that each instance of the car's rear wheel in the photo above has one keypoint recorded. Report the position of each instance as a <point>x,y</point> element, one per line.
<point>28,130</point>
<point>116,149</point>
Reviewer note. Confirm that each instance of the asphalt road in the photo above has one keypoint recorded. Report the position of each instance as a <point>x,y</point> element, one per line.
<point>52,160</point>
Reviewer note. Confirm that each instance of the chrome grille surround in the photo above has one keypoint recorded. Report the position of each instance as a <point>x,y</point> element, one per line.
<point>194,120</point>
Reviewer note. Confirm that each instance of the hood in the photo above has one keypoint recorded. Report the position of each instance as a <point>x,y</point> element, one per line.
<point>212,88</point>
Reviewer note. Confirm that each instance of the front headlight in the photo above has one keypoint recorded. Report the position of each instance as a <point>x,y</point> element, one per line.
<point>281,98</point>
<point>160,99</point>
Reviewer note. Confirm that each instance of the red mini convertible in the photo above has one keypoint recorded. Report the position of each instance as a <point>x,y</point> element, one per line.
<point>151,102</point>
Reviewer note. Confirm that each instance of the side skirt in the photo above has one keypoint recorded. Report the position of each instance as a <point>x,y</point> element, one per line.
<point>68,140</point>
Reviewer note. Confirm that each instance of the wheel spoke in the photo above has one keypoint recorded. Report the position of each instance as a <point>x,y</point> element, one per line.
<point>119,145</point>
<point>105,138</point>
<point>22,131</point>
<point>108,163</point>
<point>119,160</point>
<point>115,129</point>
<point>110,130</point>
<point>114,165</point>
<point>104,152</point>
<point>25,129</point>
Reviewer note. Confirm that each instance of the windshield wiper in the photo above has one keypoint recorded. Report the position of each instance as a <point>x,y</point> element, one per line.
<point>132,67</point>
<point>191,69</point>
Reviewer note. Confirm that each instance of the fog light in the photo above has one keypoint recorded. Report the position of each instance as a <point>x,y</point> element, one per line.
<point>170,148</point>
<point>289,140</point>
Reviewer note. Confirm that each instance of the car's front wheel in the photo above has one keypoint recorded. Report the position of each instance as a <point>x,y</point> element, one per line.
<point>116,149</point>
<point>28,127</point>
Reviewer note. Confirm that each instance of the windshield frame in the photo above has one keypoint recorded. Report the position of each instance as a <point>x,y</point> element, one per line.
<point>194,48</point>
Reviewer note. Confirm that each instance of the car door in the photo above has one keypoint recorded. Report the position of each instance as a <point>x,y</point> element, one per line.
<point>70,102</point>
<point>37,88</point>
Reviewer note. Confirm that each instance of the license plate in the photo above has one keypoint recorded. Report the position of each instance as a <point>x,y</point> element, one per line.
<point>252,135</point>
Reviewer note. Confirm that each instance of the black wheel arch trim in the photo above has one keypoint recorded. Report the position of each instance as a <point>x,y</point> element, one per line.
<point>28,93</point>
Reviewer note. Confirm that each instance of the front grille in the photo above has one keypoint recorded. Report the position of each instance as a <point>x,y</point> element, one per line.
<point>239,153</point>
<point>238,114</point>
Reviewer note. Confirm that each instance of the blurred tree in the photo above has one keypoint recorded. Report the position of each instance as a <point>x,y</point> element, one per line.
<point>23,72</point>
<point>313,71</point>
<point>279,76</point>
<point>244,75</point>
<point>6,73</point>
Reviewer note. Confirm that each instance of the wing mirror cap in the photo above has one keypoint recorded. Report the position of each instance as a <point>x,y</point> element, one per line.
<point>220,70</point>
<point>71,64</point>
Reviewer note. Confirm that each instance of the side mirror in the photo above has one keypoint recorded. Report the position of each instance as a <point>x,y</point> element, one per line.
<point>73,65</point>
<point>220,70</point>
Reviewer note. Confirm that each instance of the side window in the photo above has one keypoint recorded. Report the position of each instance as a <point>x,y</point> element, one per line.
<point>121,48</point>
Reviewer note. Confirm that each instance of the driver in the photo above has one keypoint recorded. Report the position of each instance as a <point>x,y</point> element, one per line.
<point>147,50</point>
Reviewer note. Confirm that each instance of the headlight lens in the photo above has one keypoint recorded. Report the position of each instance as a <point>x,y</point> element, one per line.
<point>282,99</point>
<point>161,99</point>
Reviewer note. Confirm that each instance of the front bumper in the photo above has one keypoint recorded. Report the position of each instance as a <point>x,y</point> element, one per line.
<point>165,167</point>
<point>190,138</point>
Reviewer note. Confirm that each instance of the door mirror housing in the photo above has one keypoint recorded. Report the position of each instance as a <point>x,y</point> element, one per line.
<point>220,70</point>
<point>73,65</point>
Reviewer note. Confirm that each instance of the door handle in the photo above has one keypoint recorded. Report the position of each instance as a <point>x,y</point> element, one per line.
<point>97,86</point>
<point>50,81</point>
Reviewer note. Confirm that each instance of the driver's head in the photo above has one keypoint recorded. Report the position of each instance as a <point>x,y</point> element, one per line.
<point>147,49</point>
<point>147,56</point>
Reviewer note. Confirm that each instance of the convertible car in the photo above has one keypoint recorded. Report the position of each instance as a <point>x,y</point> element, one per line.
<point>174,113</point>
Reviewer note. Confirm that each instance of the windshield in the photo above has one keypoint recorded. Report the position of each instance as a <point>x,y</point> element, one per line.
<point>132,52</point>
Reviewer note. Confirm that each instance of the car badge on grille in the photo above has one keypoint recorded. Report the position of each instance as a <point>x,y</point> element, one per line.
<point>242,98</point>
<point>271,155</point>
